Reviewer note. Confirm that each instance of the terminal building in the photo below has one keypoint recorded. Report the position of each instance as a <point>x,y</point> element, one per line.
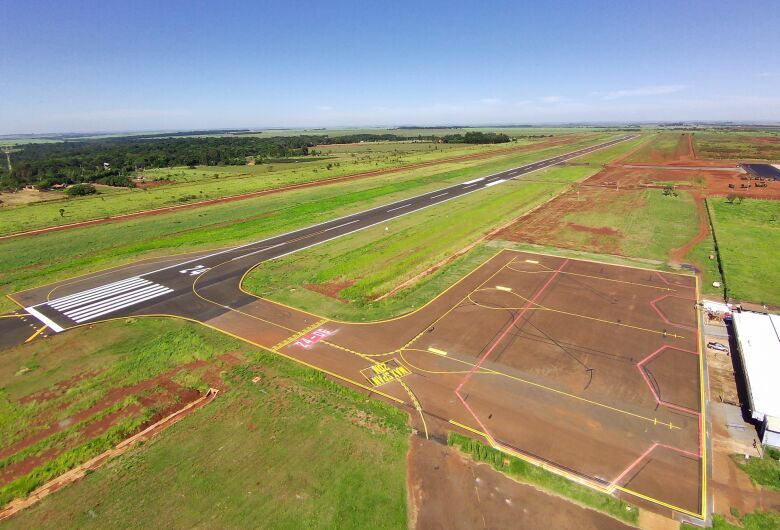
<point>758,338</point>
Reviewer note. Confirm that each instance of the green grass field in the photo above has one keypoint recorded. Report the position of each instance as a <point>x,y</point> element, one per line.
<point>119,355</point>
<point>662,147</point>
<point>748,235</point>
<point>372,262</point>
<point>752,145</point>
<point>202,183</point>
<point>764,471</point>
<point>27,262</point>
<point>291,450</point>
<point>757,520</point>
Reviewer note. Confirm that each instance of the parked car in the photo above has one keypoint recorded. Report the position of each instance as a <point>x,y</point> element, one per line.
<point>717,346</point>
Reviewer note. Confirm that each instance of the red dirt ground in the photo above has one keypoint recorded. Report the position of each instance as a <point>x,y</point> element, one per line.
<point>323,182</point>
<point>448,490</point>
<point>331,289</point>
<point>152,183</point>
<point>600,193</point>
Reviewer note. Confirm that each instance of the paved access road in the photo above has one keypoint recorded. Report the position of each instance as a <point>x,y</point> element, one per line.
<point>207,286</point>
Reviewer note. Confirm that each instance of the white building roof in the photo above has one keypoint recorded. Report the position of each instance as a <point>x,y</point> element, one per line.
<point>759,343</point>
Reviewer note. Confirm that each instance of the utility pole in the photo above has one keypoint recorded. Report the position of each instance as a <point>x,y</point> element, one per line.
<point>7,151</point>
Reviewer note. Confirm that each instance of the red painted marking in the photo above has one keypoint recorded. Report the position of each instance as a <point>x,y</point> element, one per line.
<point>499,339</point>
<point>663,317</point>
<point>312,338</point>
<point>646,453</point>
<point>660,401</point>
<point>673,284</point>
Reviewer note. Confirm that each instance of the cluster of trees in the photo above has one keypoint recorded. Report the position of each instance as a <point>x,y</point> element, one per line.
<point>476,138</point>
<point>113,160</point>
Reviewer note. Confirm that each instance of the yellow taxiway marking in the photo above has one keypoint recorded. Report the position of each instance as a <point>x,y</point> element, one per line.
<point>437,351</point>
<point>38,332</point>
<point>417,406</point>
<point>487,371</point>
<point>658,501</point>
<point>471,429</point>
<point>502,288</point>
<point>540,307</point>
<point>602,278</point>
<point>298,335</point>
<point>18,315</point>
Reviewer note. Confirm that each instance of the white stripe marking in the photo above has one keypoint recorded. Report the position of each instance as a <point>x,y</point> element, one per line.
<point>439,195</point>
<point>118,300</point>
<point>93,290</point>
<point>494,183</point>
<point>398,207</point>
<point>280,244</point>
<point>473,181</point>
<point>43,318</point>
<point>121,305</point>
<point>107,310</point>
<point>67,304</point>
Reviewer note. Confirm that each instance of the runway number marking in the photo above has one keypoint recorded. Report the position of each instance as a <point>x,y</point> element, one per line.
<point>312,338</point>
<point>386,372</point>
<point>194,271</point>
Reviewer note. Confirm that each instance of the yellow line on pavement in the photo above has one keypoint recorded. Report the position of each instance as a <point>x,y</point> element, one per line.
<point>38,332</point>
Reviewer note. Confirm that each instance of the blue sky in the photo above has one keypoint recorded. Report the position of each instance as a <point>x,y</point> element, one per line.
<point>84,65</point>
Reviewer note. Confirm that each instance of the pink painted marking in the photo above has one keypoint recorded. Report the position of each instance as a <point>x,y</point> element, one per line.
<point>673,284</point>
<point>499,339</point>
<point>312,338</point>
<point>660,401</point>
<point>663,317</point>
<point>645,455</point>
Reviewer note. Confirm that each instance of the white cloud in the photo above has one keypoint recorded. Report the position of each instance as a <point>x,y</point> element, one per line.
<point>549,100</point>
<point>653,90</point>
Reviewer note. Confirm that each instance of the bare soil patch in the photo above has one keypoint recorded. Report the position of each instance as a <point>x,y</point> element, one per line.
<point>449,491</point>
<point>332,288</point>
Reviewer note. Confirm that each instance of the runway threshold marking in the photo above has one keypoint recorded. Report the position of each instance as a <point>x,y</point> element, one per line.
<point>43,318</point>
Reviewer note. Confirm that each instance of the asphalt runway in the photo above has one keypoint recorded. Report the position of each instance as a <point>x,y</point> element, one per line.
<point>207,286</point>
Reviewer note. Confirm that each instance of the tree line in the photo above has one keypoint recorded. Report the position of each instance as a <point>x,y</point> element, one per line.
<point>113,161</point>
